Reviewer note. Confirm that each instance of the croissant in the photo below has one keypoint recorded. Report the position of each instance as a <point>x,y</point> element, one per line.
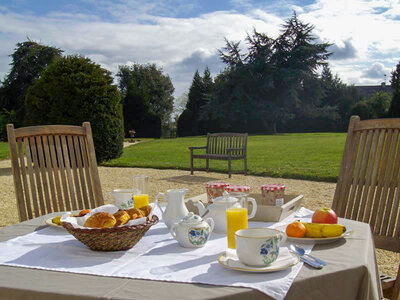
<point>122,217</point>
<point>135,213</point>
<point>146,210</point>
<point>100,220</point>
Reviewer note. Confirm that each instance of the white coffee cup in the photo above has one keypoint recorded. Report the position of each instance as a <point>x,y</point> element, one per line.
<point>258,247</point>
<point>123,198</point>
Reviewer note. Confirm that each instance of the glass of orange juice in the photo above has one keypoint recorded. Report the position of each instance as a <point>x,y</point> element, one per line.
<point>236,218</point>
<point>140,200</point>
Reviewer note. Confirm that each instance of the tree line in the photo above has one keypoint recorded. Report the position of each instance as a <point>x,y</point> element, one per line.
<point>276,85</point>
<point>270,85</point>
<point>45,87</point>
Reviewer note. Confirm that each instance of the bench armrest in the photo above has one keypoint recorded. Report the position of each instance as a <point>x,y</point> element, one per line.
<point>193,148</point>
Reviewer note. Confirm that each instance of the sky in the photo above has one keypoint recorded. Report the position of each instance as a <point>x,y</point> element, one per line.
<point>182,36</point>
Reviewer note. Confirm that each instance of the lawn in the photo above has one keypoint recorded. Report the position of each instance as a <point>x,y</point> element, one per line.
<point>313,156</point>
<point>4,152</point>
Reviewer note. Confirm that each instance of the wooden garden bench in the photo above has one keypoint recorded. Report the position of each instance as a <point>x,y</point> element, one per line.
<point>222,146</point>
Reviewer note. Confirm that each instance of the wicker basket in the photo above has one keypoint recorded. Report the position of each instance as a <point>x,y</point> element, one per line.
<point>111,239</point>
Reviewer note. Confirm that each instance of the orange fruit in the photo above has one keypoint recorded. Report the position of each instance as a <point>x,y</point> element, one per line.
<point>296,229</point>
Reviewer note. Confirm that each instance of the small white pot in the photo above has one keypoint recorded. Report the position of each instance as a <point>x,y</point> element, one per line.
<point>192,231</point>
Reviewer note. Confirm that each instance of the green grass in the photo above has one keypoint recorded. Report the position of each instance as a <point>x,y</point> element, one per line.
<point>313,156</point>
<point>4,152</point>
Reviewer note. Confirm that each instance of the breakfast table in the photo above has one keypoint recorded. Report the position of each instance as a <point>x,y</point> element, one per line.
<point>351,273</point>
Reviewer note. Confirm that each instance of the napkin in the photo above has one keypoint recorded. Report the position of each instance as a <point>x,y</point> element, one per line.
<point>78,222</point>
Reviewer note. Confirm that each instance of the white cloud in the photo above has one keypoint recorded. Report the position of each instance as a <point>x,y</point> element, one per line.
<point>363,33</point>
<point>167,41</point>
<point>376,71</point>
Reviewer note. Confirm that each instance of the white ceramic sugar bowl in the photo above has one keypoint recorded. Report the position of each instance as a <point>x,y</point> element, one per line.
<point>192,231</point>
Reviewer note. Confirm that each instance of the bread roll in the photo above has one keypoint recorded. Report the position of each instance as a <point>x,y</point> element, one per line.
<point>135,213</point>
<point>146,210</point>
<point>122,217</point>
<point>100,220</point>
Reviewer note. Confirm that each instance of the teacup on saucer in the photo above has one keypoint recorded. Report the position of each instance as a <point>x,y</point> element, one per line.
<point>258,246</point>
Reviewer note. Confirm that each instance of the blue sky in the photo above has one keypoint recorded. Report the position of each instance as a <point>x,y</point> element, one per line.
<point>182,36</point>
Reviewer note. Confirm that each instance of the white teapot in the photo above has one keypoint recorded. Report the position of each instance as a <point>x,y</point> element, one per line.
<point>217,210</point>
<point>192,231</point>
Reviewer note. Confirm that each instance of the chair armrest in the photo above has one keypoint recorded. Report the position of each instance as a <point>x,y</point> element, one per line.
<point>202,147</point>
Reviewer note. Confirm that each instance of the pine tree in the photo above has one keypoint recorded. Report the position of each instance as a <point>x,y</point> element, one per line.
<point>395,83</point>
<point>28,61</point>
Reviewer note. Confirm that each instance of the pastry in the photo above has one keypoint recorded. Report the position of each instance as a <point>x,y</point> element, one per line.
<point>122,217</point>
<point>83,212</point>
<point>100,220</point>
<point>146,210</point>
<point>135,213</point>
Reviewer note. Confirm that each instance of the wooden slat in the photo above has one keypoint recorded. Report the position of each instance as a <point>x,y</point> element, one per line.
<point>16,172</point>
<point>384,179</point>
<point>394,212</point>
<point>392,189</point>
<point>86,168</point>
<point>351,213</point>
<point>49,130</point>
<point>72,158</point>
<point>31,175</point>
<point>337,199</point>
<point>348,176</point>
<point>93,165</point>
<point>378,124</point>
<point>67,166</point>
<point>27,200</point>
<point>50,173</point>
<point>83,185</point>
<point>39,147</point>
<point>361,182</point>
<point>375,164</point>
<point>63,173</point>
<point>39,186</point>
<point>56,173</point>
<point>368,176</point>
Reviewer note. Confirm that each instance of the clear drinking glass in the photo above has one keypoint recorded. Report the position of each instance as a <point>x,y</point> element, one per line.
<point>140,184</point>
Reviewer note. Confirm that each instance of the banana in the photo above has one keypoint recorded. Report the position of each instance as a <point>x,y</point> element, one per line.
<point>316,230</point>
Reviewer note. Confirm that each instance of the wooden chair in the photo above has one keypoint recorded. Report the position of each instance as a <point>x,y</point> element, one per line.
<point>368,188</point>
<point>54,169</point>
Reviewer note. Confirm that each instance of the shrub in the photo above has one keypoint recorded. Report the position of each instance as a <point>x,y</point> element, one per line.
<point>73,90</point>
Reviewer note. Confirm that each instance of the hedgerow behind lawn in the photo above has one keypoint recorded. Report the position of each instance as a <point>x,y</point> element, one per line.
<point>313,156</point>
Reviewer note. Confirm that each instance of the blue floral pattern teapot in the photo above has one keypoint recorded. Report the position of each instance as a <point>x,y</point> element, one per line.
<point>192,231</point>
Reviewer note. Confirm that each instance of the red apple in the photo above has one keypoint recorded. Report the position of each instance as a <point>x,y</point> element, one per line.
<point>324,215</point>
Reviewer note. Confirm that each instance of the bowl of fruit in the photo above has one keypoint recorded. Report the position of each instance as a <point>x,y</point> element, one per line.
<point>323,228</point>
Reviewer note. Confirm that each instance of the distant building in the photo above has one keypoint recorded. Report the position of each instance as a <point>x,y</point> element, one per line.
<point>367,91</point>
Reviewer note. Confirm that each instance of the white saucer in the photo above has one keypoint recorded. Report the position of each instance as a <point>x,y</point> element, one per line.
<point>285,260</point>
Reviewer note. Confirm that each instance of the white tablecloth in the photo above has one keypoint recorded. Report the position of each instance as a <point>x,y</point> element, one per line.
<point>156,257</point>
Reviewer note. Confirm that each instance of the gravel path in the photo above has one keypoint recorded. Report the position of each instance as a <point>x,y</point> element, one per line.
<point>316,194</point>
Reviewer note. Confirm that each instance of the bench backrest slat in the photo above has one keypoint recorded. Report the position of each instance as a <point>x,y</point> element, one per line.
<point>218,143</point>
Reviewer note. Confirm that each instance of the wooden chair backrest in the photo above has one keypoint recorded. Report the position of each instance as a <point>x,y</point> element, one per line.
<point>368,186</point>
<point>54,169</point>
<point>217,143</point>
